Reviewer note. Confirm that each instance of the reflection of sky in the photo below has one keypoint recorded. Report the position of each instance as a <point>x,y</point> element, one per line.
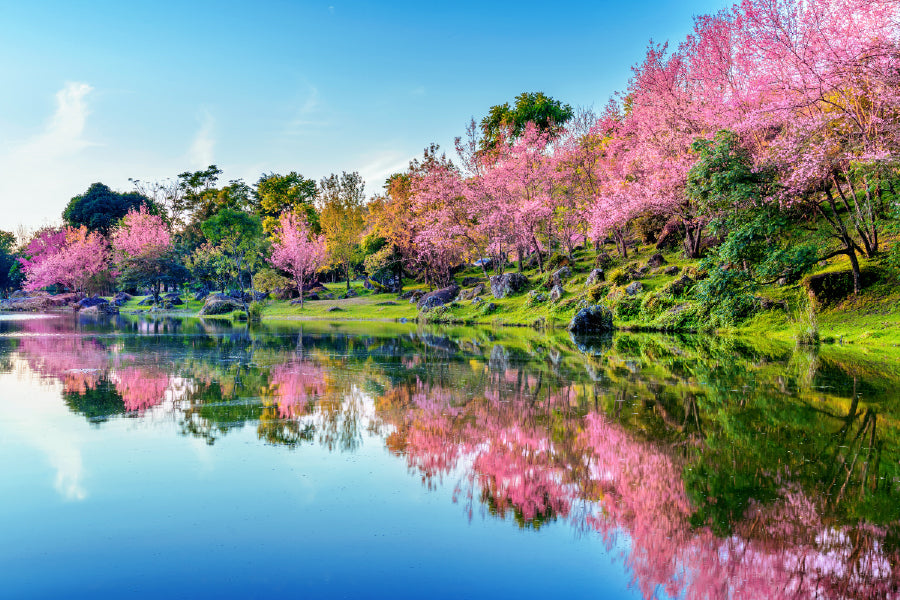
<point>241,518</point>
<point>45,426</point>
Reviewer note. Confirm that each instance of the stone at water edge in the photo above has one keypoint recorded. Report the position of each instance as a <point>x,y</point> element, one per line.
<point>592,319</point>
<point>220,304</point>
<point>100,309</point>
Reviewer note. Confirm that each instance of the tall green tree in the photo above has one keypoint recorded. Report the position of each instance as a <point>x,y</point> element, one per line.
<point>237,236</point>
<point>548,114</point>
<point>100,208</point>
<point>277,193</point>
<point>342,217</point>
<point>9,275</point>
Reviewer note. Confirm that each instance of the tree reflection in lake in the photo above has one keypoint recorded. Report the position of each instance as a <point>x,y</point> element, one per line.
<point>731,470</point>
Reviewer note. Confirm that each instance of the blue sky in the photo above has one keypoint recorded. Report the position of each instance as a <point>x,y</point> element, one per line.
<point>104,91</point>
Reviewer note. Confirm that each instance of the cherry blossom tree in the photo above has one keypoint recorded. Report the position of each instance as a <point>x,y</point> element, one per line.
<point>71,257</point>
<point>142,250</point>
<point>296,250</point>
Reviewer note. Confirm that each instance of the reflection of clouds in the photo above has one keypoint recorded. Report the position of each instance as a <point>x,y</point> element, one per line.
<point>69,470</point>
<point>36,426</point>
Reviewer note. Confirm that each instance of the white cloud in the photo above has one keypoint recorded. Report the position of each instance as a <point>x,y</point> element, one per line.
<point>63,134</point>
<point>38,172</point>
<point>380,167</point>
<point>201,151</point>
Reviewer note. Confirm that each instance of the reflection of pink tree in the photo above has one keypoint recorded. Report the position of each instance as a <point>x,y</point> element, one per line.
<point>77,362</point>
<point>782,550</point>
<point>294,384</point>
<point>515,460</point>
<point>141,388</point>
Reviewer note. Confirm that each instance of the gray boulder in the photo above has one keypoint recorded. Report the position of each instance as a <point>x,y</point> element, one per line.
<point>562,275</point>
<point>594,277</point>
<point>508,283</point>
<point>438,297</point>
<point>634,288</point>
<point>556,293</point>
<point>220,304</point>
<point>592,319</point>
<point>89,302</point>
<point>671,270</point>
<point>100,309</point>
<point>657,260</point>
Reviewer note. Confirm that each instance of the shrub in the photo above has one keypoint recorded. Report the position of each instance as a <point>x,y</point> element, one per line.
<point>598,292</point>
<point>807,323</point>
<point>619,276</point>
<point>268,280</point>
<point>648,226</point>
<point>653,305</point>
<point>725,297</point>
<point>556,261</point>
<point>255,309</point>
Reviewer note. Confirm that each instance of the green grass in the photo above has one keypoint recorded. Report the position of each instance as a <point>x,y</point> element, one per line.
<point>868,323</point>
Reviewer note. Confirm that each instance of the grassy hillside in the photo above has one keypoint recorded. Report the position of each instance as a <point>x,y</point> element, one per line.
<point>869,320</point>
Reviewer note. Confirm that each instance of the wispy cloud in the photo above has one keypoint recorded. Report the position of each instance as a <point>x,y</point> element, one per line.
<point>39,170</point>
<point>308,115</point>
<point>64,132</point>
<point>380,167</point>
<point>203,144</point>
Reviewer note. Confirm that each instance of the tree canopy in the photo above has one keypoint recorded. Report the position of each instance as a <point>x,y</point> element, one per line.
<point>100,208</point>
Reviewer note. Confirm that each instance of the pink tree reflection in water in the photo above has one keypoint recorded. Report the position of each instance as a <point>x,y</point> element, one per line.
<point>141,387</point>
<point>294,384</point>
<point>529,457</point>
<point>781,550</point>
<point>76,362</point>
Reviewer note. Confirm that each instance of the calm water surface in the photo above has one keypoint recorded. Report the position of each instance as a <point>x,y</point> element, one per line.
<point>191,459</point>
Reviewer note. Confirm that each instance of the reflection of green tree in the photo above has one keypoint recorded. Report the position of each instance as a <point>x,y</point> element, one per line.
<point>97,403</point>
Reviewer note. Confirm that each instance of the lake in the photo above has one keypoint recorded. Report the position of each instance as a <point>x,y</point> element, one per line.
<point>181,458</point>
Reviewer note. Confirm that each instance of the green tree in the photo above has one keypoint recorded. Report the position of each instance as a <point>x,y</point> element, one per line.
<point>276,194</point>
<point>238,237</point>
<point>100,208</point>
<point>342,217</point>
<point>547,114</point>
<point>9,274</point>
<point>757,246</point>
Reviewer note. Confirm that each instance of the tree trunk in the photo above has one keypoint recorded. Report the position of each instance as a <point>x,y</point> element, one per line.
<point>301,294</point>
<point>842,234</point>
<point>854,266</point>
<point>537,250</point>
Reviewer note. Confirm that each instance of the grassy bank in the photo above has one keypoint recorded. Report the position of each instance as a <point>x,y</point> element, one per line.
<point>868,322</point>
